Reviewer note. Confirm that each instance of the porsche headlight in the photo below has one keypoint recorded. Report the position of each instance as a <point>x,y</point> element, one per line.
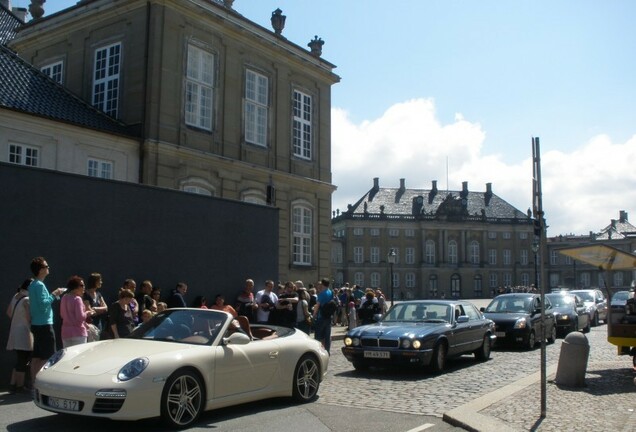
<point>132,369</point>
<point>54,359</point>
<point>521,323</point>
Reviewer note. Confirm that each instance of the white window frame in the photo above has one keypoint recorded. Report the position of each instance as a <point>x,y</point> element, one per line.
<point>409,232</point>
<point>507,279</point>
<point>585,279</point>
<point>523,235</point>
<point>302,234</point>
<point>106,74</point>
<point>525,279</point>
<point>507,257</point>
<point>358,231</point>
<point>99,168</point>
<point>55,71</point>
<point>493,280</point>
<point>302,128</point>
<point>506,235</point>
<point>374,280</point>
<point>523,257</point>
<point>374,255</point>
<point>21,154</point>
<point>409,280</point>
<point>394,232</point>
<point>358,278</point>
<point>198,190</point>
<point>358,254</point>
<point>374,232</point>
<point>199,87</point>
<point>256,107</point>
<point>478,288</point>
<point>492,235</point>
<point>452,252</point>
<point>473,248</point>
<point>554,257</point>
<point>336,253</point>
<point>409,255</point>
<point>432,286</point>
<point>429,248</point>
<point>492,256</point>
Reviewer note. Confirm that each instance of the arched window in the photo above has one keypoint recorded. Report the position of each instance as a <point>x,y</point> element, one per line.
<point>473,249</point>
<point>197,185</point>
<point>254,196</point>
<point>452,252</point>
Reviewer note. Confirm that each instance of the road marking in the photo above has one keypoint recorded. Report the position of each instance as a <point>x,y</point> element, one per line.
<point>421,428</point>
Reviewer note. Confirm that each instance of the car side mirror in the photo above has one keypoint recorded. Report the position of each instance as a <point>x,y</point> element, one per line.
<point>462,319</point>
<point>237,338</point>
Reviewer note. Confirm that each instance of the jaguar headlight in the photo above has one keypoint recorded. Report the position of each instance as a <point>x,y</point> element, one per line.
<point>416,344</point>
<point>406,343</point>
<point>56,357</point>
<point>132,369</point>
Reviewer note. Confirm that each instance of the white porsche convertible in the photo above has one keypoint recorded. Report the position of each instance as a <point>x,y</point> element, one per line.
<point>179,364</point>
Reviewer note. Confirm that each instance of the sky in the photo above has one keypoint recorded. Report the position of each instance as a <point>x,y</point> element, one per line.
<point>454,91</point>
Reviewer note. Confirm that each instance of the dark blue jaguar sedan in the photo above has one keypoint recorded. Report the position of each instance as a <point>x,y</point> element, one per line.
<point>421,333</point>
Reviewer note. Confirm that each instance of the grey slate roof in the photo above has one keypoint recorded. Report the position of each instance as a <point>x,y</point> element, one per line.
<point>617,230</point>
<point>25,89</point>
<point>9,23</point>
<point>449,205</point>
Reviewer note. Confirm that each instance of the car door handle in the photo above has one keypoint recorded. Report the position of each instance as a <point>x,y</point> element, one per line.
<point>273,354</point>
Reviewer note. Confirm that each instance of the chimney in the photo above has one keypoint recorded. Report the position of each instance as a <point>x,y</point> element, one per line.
<point>623,216</point>
<point>464,193</point>
<point>21,13</point>
<point>433,192</point>
<point>376,183</point>
<point>488,194</point>
<point>402,186</point>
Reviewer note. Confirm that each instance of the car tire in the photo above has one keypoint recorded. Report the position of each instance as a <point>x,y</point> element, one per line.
<point>595,320</point>
<point>306,379</point>
<point>553,335</point>
<point>182,400</point>
<point>531,341</point>
<point>586,329</point>
<point>483,353</point>
<point>438,362</point>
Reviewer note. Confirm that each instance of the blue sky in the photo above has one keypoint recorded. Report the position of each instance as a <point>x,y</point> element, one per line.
<point>454,90</point>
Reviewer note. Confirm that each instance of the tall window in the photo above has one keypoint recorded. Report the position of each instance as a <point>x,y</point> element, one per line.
<point>523,257</point>
<point>429,252</point>
<point>106,79</point>
<point>302,133</point>
<point>302,233</point>
<point>256,106</point>
<point>336,254</point>
<point>374,255</point>
<point>474,252</point>
<point>375,232</point>
<point>456,286</point>
<point>554,280</point>
<point>358,278</point>
<point>507,279</point>
<point>24,155</point>
<point>618,279</point>
<point>54,71</point>
<point>394,232</point>
<point>409,280</point>
<point>432,286</point>
<point>410,255</point>
<point>452,252</point>
<point>507,257</point>
<point>493,280</point>
<point>375,280</point>
<point>492,256</point>
<point>100,168</point>
<point>358,254</point>
<point>199,88</point>
<point>525,279</point>
<point>585,279</point>
<point>554,257</point>
<point>358,231</point>
<point>477,286</point>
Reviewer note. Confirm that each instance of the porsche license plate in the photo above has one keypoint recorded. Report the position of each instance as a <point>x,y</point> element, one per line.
<point>63,404</point>
<point>377,354</point>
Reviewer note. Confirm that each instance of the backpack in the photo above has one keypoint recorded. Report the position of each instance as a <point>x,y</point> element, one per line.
<point>329,308</point>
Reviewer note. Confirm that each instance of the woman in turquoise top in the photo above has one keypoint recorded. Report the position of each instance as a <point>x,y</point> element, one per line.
<point>40,301</point>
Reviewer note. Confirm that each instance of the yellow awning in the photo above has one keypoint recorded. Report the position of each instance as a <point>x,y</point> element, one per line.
<point>602,256</point>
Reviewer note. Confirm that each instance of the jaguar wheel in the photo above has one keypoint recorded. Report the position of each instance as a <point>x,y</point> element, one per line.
<point>438,362</point>
<point>306,379</point>
<point>483,353</point>
<point>182,400</point>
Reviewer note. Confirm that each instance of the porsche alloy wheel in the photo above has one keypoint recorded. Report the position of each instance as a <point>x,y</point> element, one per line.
<point>306,379</point>
<point>182,399</point>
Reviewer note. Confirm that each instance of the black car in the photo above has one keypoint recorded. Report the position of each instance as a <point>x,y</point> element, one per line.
<point>570,313</point>
<point>517,319</point>
<point>421,333</point>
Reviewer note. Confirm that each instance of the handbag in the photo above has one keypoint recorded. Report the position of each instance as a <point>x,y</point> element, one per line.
<point>93,333</point>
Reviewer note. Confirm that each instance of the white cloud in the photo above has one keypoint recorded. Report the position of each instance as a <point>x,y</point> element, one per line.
<point>582,190</point>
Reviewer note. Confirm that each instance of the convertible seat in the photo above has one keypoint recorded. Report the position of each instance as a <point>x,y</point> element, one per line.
<point>245,325</point>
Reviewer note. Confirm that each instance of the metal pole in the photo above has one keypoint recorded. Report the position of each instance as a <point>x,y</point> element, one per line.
<point>391,295</point>
<point>540,231</point>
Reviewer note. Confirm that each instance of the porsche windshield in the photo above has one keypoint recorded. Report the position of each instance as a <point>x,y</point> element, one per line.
<point>196,326</point>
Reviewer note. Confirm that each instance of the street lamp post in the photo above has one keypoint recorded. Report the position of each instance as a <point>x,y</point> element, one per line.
<point>391,259</point>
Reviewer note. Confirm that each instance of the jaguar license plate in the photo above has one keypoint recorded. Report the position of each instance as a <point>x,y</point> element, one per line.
<point>63,404</point>
<point>377,354</point>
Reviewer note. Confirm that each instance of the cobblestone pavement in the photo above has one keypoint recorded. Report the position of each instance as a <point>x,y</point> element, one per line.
<point>609,381</point>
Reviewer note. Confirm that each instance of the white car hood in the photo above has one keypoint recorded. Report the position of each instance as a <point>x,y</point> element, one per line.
<point>101,357</point>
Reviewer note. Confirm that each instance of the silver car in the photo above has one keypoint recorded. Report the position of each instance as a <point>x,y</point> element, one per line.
<point>596,303</point>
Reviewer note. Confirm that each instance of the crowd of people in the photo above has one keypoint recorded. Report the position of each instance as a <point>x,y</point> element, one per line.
<point>44,321</point>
